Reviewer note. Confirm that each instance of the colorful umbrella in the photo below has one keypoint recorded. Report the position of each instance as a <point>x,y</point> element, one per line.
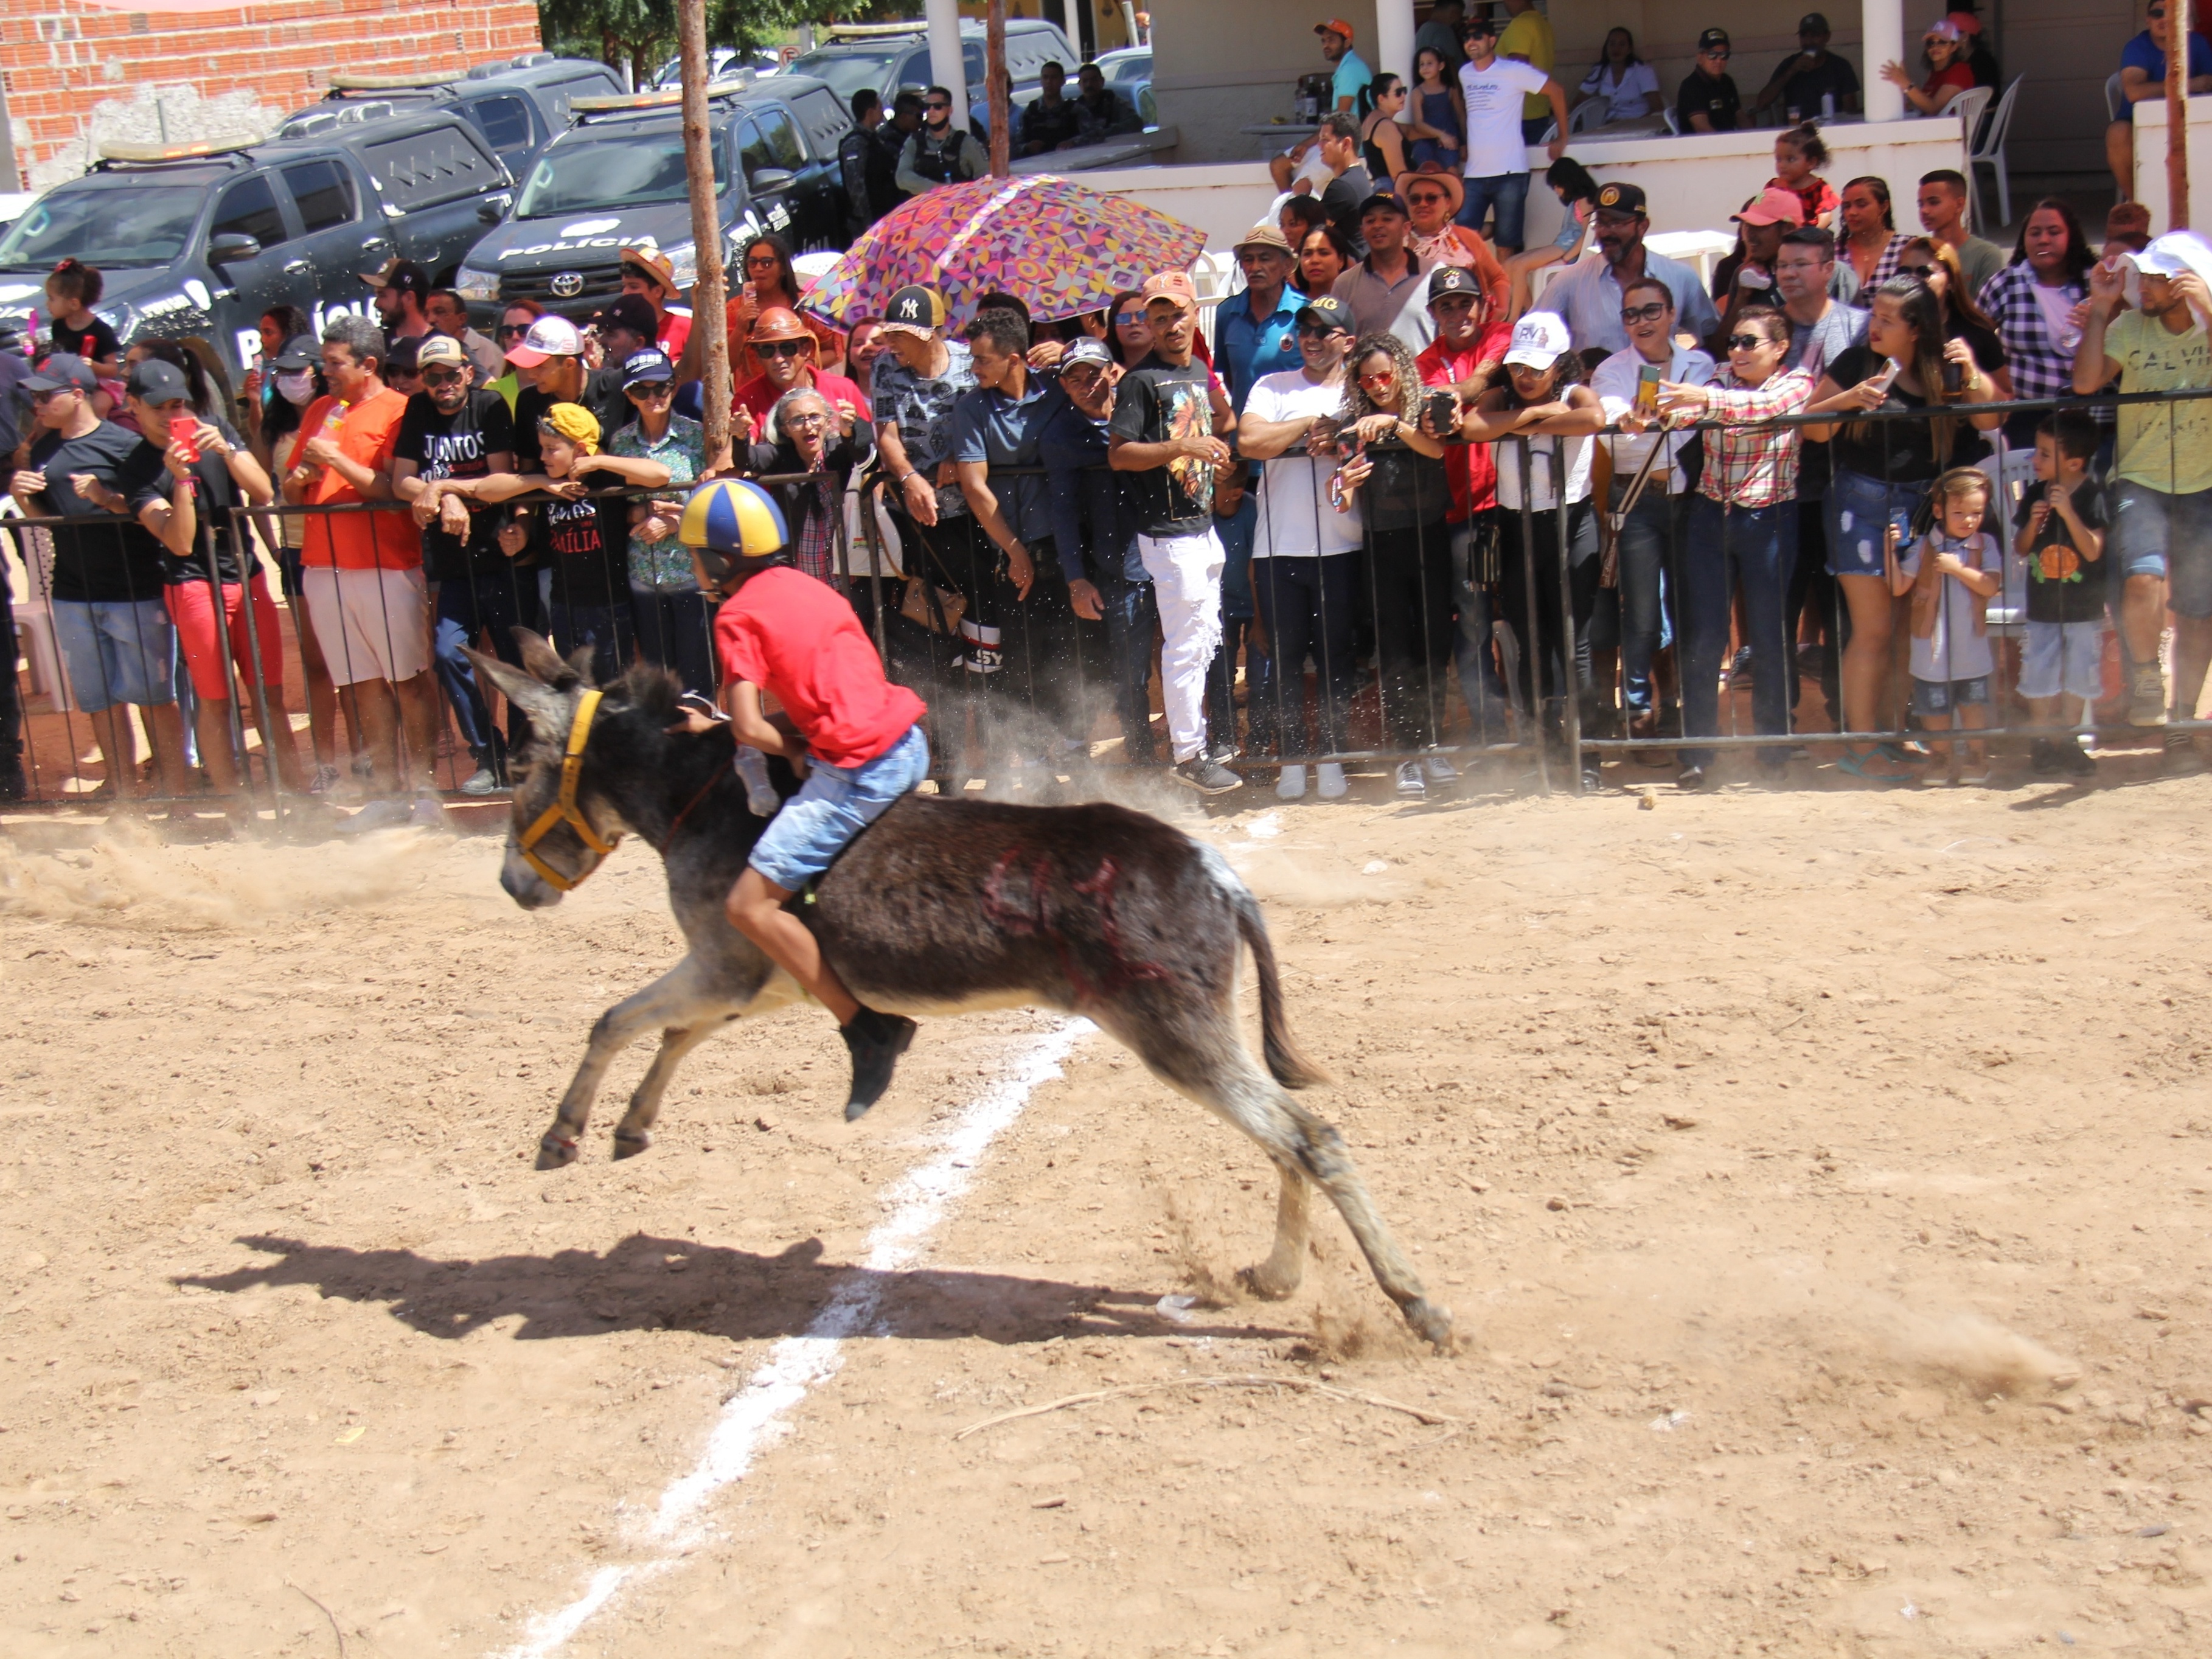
<point>1064,249</point>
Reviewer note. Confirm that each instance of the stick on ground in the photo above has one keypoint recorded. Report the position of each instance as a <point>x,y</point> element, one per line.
<point>1416,1412</point>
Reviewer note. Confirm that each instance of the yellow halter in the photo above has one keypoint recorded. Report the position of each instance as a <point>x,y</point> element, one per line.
<point>563,809</point>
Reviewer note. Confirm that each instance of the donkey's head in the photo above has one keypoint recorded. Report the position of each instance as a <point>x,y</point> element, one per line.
<point>565,820</point>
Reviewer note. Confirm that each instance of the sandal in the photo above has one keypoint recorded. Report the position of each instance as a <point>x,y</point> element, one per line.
<point>1855,764</point>
<point>1902,755</point>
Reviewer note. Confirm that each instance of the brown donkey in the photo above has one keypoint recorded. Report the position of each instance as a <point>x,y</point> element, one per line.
<point>942,907</point>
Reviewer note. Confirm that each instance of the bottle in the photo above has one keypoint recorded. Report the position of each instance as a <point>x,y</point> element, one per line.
<point>1827,107</point>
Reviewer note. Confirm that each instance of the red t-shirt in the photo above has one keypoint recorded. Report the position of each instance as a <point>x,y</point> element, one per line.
<point>1471,469</point>
<point>759,395</point>
<point>674,330</point>
<point>1959,75</point>
<point>797,639</point>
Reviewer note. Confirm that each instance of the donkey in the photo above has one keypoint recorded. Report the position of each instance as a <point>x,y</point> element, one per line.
<point>941,907</point>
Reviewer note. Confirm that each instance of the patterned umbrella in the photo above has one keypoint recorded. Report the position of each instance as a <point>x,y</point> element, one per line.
<point>1063,249</point>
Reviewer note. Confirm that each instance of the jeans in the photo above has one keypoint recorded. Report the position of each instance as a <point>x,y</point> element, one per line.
<point>1475,649</point>
<point>468,610</point>
<point>1410,573</point>
<point>1648,547</point>
<point>11,702</point>
<point>676,631</point>
<point>1561,639</point>
<point>1812,587</point>
<point>1131,620</point>
<point>606,628</point>
<point>1305,606</point>
<point>117,651</point>
<point>1758,547</point>
<point>1509,193</point>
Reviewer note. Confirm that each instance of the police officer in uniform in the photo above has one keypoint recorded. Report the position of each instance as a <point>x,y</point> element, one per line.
<point>940,153</point>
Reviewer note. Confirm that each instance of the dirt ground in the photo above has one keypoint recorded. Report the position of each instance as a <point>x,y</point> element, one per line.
<point>1820,1180</point>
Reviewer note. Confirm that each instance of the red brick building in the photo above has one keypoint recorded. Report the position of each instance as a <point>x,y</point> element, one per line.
<point>76,73</point>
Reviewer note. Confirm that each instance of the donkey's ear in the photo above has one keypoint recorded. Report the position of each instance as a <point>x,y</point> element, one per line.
<point>548,709</point>
<point>544,661</point>
<point>579,664</point>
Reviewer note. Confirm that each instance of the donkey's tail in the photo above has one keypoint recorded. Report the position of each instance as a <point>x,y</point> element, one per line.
<point>1289,1065</point>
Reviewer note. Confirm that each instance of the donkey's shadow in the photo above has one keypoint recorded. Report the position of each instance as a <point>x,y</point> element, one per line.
<point>646,1282</point>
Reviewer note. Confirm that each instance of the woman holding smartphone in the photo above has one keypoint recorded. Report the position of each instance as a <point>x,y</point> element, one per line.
<point>1881,471</point>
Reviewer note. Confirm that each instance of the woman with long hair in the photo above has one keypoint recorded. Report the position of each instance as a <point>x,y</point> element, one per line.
<point>1870,241</point>
<point>1881,474</point>
<point>1381,131</point>
<point>1404,498</point>
<point>1128,336</point>
<point>1543,400</point>
<point>1629,86</point>
<point>2033,302</point>
<point>1936,264</point>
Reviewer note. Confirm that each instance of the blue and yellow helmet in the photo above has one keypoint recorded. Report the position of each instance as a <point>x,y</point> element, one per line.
<point>736,518</point>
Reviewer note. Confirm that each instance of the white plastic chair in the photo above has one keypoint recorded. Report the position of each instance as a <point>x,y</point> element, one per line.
<point>1990,154</point>
<point>1584,116</point>
<point>2113,99</point>
<point>1674,121</point>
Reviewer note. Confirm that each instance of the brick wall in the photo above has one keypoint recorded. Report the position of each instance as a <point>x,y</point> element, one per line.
<point>77,75</point>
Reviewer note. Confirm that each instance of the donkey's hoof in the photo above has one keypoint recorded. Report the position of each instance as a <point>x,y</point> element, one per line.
<point>629,1143</point>
<point>1433,1321</point>
<point>1264,1284</point>
<point>555,1152</point>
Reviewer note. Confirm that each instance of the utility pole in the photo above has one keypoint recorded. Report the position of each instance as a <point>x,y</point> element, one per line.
<point>1000,95</point>
<point>710,291</point>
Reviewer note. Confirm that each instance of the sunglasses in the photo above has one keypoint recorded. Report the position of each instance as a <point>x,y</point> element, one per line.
<point>1317,331</point>
<point>508,330</point>
<point>1747,342</point>
<point>1128,319</point>
<point>1384,377</point>
<point>1632,315</point>
<point>442,376</point>
<point>1426,198</point>
<point>1718,54</point>
<point>781,348</point>
<point>650,390</point>
<point>935,103</point>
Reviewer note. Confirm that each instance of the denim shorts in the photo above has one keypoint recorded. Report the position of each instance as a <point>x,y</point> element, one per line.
<point>1942,696</point>
<point>1859,510</point>
<point>833,806</point>
<point>2065,658</point>
<point>2155,534</point>
<point>117,651</point>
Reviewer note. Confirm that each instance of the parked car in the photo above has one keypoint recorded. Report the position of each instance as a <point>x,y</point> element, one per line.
<point>518,104</point>
<point>722,62</point>
<point>201,239</point>
<point>891,56</point>
<point>12,204</point>
<point>617,179</point>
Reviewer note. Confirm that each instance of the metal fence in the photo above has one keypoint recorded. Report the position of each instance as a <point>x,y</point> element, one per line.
<point>1530,632</point>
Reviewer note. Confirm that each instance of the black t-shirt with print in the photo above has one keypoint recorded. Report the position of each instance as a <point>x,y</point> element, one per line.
<point>1710,96</point>
<point>100,557</point>
<point>458,445</point>
<point>1157,402</point>
<point>94,342</point>
<point>217,496</point>
<point>587,543</point>
<point>602,395</point>
<point>1902,452</point>
<point>2062,586</point>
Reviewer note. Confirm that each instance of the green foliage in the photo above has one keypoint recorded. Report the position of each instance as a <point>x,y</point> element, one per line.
<point>643,33</point>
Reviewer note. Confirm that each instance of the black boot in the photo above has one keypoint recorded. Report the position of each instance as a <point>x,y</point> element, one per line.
<point>875,1041</point>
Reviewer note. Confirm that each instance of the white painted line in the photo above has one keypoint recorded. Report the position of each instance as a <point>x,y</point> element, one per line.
<point>755,1418</point>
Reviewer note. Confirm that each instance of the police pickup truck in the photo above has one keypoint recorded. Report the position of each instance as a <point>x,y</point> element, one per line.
<point>200,240</point>
<point>617,179</point>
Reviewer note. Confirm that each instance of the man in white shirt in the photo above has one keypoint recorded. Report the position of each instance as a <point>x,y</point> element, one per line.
<point>1646,535</point>
<point>1304,551</point>
<point>1588,295</point>
<point>1496,164</point>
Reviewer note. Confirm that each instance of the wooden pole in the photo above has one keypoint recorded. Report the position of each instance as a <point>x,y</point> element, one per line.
<point>2177,115</point>
<point>710,291</point>
<point>999,93</point>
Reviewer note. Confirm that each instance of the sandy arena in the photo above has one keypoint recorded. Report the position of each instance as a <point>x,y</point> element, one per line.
<point>1819,1181</point>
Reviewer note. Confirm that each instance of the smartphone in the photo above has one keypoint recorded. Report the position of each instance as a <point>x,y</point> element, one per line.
<point>1881,381</point>
<point>186,437</point>
<point>1954,379</point>
<point>1443,412</point>
<point>1647,389</point>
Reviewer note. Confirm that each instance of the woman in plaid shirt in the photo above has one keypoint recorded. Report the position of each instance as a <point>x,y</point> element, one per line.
<point>2033,301</point>
<point>1743,524</point>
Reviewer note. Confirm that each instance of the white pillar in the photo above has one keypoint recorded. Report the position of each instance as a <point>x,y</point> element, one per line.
<point>1394,37</point>
<point>945,64</point>
<point>1881,40</point>
<point>1071,25</point>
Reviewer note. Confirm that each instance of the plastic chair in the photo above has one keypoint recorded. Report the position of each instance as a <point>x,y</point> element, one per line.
<point>1674,121</point>
<point>1584,116</point>
<point>2113,99</point>
<point>1990,152</point>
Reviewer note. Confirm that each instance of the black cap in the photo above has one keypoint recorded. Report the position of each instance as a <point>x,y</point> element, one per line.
<point>1452,279</point>
<point>1621,199</point>
<point>645,366</point>
<point>157,382</point>
<point>1387,200</point>
<point>400,277</point>
<point>1330,310</point>
<point>400,355</point>
<point>301,351</point>
<point>1712,38</point>
<point>63,370</point>
<point>633,312</point>
<point>1812,23</point>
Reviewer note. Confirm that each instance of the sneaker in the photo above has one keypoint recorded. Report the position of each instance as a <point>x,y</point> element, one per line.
<point>482,781</point>
<point>1208,777</point>
<point>1740,665</point>
<point>1292,785</point>
<point>875,1041</point>
<point>1410,780</point>
<point>1690,777</point>
<point>382,813</point>
<point>2076,759</point>
<point>2181,754</point>
<point>1593,780</point>
<point>1439,769</point>
<point>2147,697</point>
<point>325,780</point>
<point>1218,750</point>
<point>2047,761</point>
<point>14,785</point>
<point>428,811</point>
<point>1333,786</point>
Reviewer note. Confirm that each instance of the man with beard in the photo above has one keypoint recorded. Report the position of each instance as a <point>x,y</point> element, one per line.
<point>940,153</point>
<point>1588,295</point>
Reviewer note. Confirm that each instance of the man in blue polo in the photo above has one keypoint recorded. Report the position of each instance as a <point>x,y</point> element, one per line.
<point>1588,297</point>
<point>1255,332</point>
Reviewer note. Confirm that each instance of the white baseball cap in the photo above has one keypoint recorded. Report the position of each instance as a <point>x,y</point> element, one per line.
<point>1540,339</point>
<point>548,337</point>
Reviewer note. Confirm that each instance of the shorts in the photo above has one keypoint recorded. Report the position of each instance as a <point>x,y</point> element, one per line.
<point>371,624</point>
<point>191,608</point>
<point>2155,534</point>
<point>2064,657</point>
<point>1860,510</point>
<point>115,651</point>
<point>832,806</point>
<point>1941,696</point>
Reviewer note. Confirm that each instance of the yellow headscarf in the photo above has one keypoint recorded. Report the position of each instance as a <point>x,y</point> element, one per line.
<point>574,422</point>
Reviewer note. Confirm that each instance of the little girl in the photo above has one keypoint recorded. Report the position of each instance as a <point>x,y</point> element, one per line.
<point>72,290</point>
<point>1951,573</point>
<point>1796,154</point>
<point>1438,120</point>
